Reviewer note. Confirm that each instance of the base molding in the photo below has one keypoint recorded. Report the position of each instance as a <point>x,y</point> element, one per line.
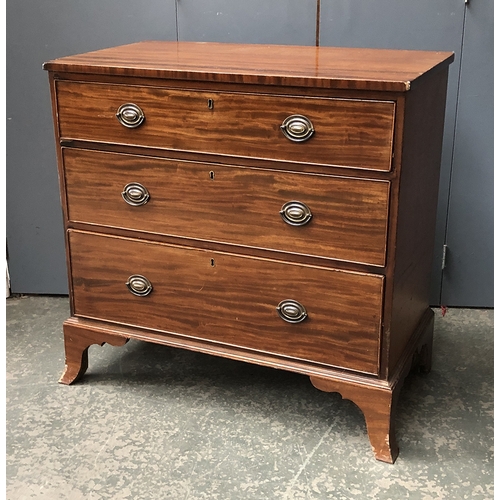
<point>376,398</point>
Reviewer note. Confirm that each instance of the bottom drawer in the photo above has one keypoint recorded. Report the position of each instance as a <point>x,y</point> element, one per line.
<point>230,299</point>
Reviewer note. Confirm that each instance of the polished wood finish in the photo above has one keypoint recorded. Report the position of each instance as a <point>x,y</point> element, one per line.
<point>377,405</point>
<point>378,402</point>
<point>76,345</point>
<point>415,357</point>
<point>318,67</point>
<point>348,133</point>
<point>231,204</point>
<point>417,204</point>
<point>231,299</point>
<point>211,240</point>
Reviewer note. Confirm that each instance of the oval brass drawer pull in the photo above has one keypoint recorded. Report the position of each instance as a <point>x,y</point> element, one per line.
<point>130,115</point>
<point>291,311</point>
<point>135,194</point>
<point>296,213</point>
<point>297,128</point>
<point>139,285</point>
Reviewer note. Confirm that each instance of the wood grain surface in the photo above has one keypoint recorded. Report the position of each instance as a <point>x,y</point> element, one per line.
<point>378,407</point>
<point>416,213</point>
<point>231,204</point>
<point>349,133</point>
<point>231,299</point>
<point>76,346</point>
<point>328,67</point>
<point>218,170</point>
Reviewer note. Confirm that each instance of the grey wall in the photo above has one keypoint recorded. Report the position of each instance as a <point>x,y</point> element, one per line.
<point>39,30</point>
<point>468,276</point>
<point>290,22</point>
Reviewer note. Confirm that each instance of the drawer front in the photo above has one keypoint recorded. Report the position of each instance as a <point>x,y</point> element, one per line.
<point>230,299</point>
<point>333,217</point>
<point>347,133</point>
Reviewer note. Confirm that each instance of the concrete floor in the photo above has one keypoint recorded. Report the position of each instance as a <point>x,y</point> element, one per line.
<point>152,422</point>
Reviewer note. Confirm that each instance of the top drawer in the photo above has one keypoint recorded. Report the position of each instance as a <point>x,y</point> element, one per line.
<point>347,133</point>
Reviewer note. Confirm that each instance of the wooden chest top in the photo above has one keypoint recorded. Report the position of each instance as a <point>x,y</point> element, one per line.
<point>321,67</point>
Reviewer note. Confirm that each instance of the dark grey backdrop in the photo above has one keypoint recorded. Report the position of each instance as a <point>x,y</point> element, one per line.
<point>39,30</point>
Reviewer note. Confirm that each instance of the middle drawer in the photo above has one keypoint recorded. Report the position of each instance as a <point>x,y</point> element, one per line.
<point>327,216</point>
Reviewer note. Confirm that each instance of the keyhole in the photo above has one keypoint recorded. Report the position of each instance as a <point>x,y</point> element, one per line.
<point>212,174</point>
<point>210,104</point>
<point>212,262</point>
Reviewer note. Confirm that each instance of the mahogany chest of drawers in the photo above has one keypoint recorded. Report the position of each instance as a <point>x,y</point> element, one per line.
<point>270,204</point>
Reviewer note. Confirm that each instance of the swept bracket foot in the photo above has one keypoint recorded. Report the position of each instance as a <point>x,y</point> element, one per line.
<point>76,345</point>
<point>377,405</point>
